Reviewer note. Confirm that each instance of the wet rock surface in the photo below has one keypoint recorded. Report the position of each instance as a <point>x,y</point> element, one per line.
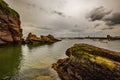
<point>87,62</point>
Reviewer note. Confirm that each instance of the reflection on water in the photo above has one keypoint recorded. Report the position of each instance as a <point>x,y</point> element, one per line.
<point>30,61</point>
<point>10,58</point>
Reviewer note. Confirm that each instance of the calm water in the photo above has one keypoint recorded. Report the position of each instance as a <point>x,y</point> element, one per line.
<point>27,61</point>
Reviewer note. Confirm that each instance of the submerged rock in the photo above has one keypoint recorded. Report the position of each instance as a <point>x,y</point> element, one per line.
<point>10,29</point>
<point>33,39</point>
<point>86,62</point>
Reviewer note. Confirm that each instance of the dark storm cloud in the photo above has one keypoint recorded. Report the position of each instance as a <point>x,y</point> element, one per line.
<point>112,20</point>
<point>59,13</point>
<point>98,14</point>
<point>101,14</point>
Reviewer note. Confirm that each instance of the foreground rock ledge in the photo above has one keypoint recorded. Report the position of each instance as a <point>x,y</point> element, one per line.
<point>87,62</point>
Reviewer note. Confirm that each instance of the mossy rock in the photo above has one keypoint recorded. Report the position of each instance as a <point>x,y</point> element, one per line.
<point>79,49</point>
<point>82,64</point>
<point>43,78</point>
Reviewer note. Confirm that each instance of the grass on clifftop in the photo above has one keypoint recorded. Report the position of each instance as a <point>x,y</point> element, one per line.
<point>7,10</point>
<point>80,54</point>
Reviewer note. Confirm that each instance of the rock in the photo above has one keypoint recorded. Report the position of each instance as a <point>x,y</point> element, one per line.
<point>87,62</point>
<point>10,29</point>
<point>43,78</point>
<point>49,39</point>
<point>33,39</point>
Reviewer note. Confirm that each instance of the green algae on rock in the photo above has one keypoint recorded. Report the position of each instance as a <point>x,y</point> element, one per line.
<point>82,64</point>
<point>85,48</point>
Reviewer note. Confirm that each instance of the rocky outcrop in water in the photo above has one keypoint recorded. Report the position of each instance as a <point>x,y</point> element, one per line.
<point>10,29</point>
<point>33,39</point>
<point>86,62</point>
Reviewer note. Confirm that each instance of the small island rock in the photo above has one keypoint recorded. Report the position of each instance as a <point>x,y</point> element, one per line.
<point>33,39</point>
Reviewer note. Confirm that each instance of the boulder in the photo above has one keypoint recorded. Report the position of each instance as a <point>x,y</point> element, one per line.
<point>10,29</point>
<point>87,62</point>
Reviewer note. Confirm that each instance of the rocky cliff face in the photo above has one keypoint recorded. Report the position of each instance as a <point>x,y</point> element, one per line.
<point>86,62</point>
<point>10,29</point>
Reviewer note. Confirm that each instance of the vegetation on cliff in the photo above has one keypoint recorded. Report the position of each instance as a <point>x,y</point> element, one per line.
<point>5,9</point>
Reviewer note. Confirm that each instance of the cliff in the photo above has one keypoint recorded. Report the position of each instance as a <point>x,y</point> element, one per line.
<point>10,29</point>
<point>87,62</point>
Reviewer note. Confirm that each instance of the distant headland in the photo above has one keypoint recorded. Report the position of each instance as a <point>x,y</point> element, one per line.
<point>108,37</point>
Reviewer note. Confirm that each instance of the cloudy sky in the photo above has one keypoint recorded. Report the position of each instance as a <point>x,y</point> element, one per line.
<point>67,18</point>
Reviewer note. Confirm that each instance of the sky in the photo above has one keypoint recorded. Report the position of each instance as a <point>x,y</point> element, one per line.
<point>69,18</point>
